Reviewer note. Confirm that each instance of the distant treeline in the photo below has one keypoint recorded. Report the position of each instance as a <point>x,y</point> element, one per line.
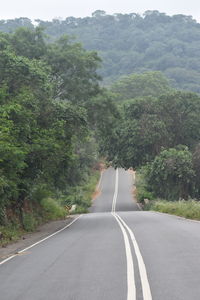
<point>132,43</point>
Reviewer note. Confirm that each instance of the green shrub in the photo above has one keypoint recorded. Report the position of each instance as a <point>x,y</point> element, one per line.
<point>29,222</point>
<point>40,192</point>
<point>80,210</point>
<point>188,209</point>
<point>171,174</point>
<point>141,187</point>
<point>82,195</point>
<point>142,194</point>
<point>52,210</point>
<point>10,232</point>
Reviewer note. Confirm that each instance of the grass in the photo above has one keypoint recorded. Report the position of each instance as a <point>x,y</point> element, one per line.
<point>48,209</point>
<point>10,233</point>
<point>52,210</point>
<point>141,188</point>
<point>85,193</point>
<point>189,209</point>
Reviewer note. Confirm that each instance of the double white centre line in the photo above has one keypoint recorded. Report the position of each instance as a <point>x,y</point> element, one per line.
<point>127,232</point>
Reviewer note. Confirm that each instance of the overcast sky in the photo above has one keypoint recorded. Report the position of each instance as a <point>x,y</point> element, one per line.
<point>49,9</point>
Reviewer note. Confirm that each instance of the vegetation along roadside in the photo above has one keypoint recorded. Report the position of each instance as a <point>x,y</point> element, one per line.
<point>57,120</point>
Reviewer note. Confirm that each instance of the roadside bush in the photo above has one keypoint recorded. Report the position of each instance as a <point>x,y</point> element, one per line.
<point>82,195</point>
<point>9,233</point>
<point>52,210</point>
<point>142,191</point>
<point>29,222</point>
<point>188,209</point>
<point>171,175</point>
<point>40,192</point>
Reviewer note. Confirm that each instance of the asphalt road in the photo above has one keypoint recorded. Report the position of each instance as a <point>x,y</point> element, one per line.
<point>116,252</point>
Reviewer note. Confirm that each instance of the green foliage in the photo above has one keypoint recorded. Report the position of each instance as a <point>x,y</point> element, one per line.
<point>141,85</point>
<point>82,195</point>
<point>10,233</point>
<point>29,222</point>
<point>11,25</point>
<point>47,143</point>
<point>142,191</point>
<point>171,174</point>
<point>29,43</point>
<point>150,124</point>
<point>188,209</point>
<point>196,167</point>
<point>52,210</point>
<point>73,71</point>
<point>133,43</point>
<point>40,192</point>
<point>103,116</point>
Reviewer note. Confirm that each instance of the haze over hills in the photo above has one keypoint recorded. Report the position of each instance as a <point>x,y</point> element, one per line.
<point>133,43</point>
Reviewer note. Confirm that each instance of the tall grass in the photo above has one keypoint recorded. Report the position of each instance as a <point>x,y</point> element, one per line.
<point>141,188</point>
<point>45,208</point>
<point>52,209</point>
<point>82,197</point>
<point>189,209</point>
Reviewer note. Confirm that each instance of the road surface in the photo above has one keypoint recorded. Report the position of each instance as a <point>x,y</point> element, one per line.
<point>116,252</point>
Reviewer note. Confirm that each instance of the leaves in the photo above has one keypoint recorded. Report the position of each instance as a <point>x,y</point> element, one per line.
<point>45,138</point>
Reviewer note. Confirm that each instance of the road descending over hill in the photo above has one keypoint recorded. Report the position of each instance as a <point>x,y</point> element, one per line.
<point>116,252</point>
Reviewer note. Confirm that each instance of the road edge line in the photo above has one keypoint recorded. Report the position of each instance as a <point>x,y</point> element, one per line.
<point>171,215</point>
<point>39,242</point>
<point>114,202</point>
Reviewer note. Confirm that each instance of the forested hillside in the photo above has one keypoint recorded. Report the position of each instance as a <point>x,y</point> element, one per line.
<point>131,43</point>
<point>48,144</point>
<point>158,134</point>
<point>57,121</point>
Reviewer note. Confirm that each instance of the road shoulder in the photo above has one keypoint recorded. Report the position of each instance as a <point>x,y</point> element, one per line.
<point>31,238</point>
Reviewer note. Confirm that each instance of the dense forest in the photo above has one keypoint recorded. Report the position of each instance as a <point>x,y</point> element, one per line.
<point>48,144</point>
<point>57,120</point>
<point>132,43</point>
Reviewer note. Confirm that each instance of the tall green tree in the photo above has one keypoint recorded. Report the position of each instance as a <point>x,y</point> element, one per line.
<point>141,85</point>
<point>74,72</point>
<point>150,124</point>
<point>171,175</point>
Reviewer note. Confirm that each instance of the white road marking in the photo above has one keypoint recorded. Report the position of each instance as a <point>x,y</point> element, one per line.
<point>131,295</point>
<point>131,290</point>
<point>116,191</point>
<point>49,236</point>
<point>142,269</point>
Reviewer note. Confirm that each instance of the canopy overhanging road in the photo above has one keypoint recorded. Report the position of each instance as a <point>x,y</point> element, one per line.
<point>116,252</point>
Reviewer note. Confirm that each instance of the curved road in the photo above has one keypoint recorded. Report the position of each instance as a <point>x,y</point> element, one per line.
<point>116,252</point>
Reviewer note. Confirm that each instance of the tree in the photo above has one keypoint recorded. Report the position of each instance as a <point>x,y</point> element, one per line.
<point>141,85</point>
<point>171,175</point>
<point>29,43</point>
<point>45,140</point>
<point>103,117</point>
<point>153,41</point>
<point>73,71</point>
<point>150,124</point>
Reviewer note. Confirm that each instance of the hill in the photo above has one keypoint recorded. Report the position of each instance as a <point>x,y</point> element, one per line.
<point>133,43</point>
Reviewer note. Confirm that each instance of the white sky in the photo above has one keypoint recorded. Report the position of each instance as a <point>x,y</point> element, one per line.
<point>49,9</point>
